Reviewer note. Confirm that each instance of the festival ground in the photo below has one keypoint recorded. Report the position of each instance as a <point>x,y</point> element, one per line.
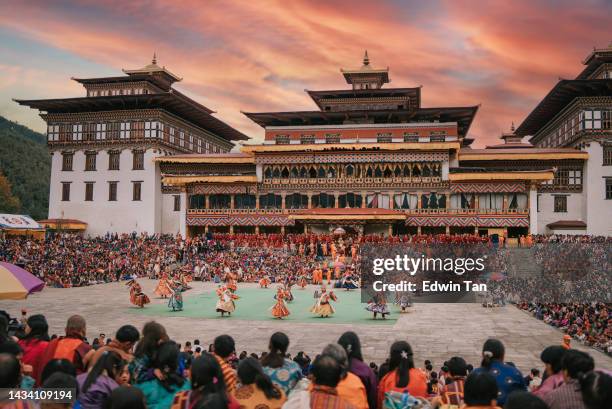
<point>435,331</point>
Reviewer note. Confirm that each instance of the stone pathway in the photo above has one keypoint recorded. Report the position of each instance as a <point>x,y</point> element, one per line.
<point>435,331</point>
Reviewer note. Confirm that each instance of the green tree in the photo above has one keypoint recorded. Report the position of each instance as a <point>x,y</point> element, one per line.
<point>8,202</point>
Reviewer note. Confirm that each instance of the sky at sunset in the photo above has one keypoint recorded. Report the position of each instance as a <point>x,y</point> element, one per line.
<point>259,55</point>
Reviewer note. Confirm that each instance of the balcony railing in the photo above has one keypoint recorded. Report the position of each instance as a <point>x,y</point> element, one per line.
<point>352,181</point>
<point>424,212</point>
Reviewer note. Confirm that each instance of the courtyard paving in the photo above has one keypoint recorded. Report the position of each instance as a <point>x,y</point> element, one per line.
<point>435,331</point>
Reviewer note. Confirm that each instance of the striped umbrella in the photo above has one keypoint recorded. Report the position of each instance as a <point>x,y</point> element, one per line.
<point>16,283</point>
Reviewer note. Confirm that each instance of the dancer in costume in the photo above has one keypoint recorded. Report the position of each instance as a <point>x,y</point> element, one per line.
<point>404,301</point>
<point>280,310</point>
<point>137,297</point>
<point>264,282</point>
<point>226,301</point>
<point>349,281</point>
<point>323,307</point>
<point>163,289</point>
<point>176,299</point>
<point>378,305</point>
<point>185,279</point>
<point>303,282</point>
<point>288,294</point>
<point>231,282</point>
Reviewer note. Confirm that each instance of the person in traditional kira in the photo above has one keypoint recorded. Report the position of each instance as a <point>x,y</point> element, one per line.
<point>226,302</point>
<point>137,297</point>
<point>163,289</point>
<point>279,309</point>
<point>322,306</point>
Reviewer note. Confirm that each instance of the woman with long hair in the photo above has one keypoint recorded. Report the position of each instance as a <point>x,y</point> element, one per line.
<point>206,382</point>
<point>402,375</point>
<point>282,371</point>
<point>96,386</point>
<point>508,378</point>
<point>35,341</point>
<point>153,334</point>
<point>257,390</point>
<point>352,345</point>
<point>166,382</point>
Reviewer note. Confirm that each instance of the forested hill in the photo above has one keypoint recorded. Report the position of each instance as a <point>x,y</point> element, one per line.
<point>25,165</point>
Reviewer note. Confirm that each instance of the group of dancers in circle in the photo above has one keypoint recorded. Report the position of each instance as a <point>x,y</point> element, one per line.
<point>172,287</point>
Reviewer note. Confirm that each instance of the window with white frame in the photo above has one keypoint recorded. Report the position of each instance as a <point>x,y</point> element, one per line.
<point>100,132</point>
<point>590,119</point>
<point>124,131</point>
<point>53,133</point>
<point>77,132</point>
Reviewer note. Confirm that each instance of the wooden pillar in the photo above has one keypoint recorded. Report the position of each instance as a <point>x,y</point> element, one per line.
<point>390,231</point>
<point>447,194</point>
<point>257,229</point>
<point>418,229</point>
<point>256,201</point>
<point>476,230</point>
<point>447,229</point>
<point>206,229</point>
<point>336,196</point>
<point>419,194</point>
<point>363,200</point>
<point>282,229</point>
<point>309,203</point>
<point>231,229</point>
<point>283,196</point>
<point>391,200</point>
<point>305,228</point>
<point>206,201</point>
<point>232,202</point>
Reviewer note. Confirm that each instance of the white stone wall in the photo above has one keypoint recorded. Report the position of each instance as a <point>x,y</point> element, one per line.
<point>598,209</point>
<point>102,215</point>
<point>170,219</point>
<point>547,214</point>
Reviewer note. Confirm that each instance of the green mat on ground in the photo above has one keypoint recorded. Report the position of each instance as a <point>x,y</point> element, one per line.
<point>255,304</point>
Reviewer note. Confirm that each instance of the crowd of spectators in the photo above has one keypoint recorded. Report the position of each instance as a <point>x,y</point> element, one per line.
<point>147,369</point>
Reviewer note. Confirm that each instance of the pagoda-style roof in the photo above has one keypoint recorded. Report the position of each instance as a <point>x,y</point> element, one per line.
<point>520,153</point>
<point>173,102</point>
<point>232,157</point>
<point>366,70</point>
<point>413,94</point>
<point>154,69</point>
<point>462,115</point>
<point>558,98</point>
<point>594,60</point>
<point>485,174</point>
<point>155,80</point>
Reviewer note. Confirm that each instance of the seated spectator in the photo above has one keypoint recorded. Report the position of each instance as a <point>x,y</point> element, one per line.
<point>326,374</point>
<point>256,390</point>
<point>480,391</point>
<point>452,392</point>
<point>575,365</point>
<point>283,372</point>
<point>126,337</point>
<point>224,348</point>
<point>153,334</point>
<point>596,387</point>
<point>402,375</point>
<point>13,348</point>
<point>552,357</point>
<point>352,345</point>
<point>350,387</point>
<point>72,347</point>
<point>509,379</point>
<point>126,397</point>
<point>159,392</point>
<point>206,380</point>
<point>57,365</point>
<point>524,400</point>
<point>63,382</point>
<point>35,341</point>
<point>96,385</point>
<point>10,378</point>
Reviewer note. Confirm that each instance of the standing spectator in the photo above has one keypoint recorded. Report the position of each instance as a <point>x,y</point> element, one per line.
<point>224,347</point>
<point>402,375</point>
<point>126,337</point>
<point>325,377</point>
<point>35,341</point>
<point>72,347</point>
<point>352,345</point>
<point>96,385</point>
<point>508,377</point>
<point>283,372</point>
<point>575,365</point>
<point>256,390</point>
<point>159,392</point>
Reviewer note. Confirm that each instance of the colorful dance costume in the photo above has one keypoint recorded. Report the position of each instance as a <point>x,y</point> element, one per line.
<point>323,307</point>
<point>378,306</point>
<point>176,299</point>
<point>163,289</point>
<point>264,282</point>
<point>226,301</point>
<point>280,310</point>
<point>137,297</point>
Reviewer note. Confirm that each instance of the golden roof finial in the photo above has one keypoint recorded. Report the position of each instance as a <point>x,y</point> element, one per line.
<point>154,60</point>
<point>366,59</point>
